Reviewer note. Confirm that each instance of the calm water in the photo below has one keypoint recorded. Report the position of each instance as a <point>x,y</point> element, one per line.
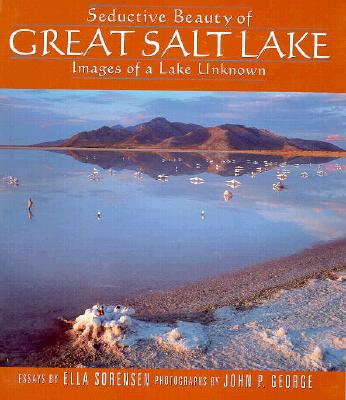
<point>151,234</point>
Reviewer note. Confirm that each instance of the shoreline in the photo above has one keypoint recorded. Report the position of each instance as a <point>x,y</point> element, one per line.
<point>242,288</point>
<point>282,153</point>
<point>241,293</point>
<point>238,318</point>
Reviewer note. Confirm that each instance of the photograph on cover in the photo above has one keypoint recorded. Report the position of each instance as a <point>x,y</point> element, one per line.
<point>153,229</point>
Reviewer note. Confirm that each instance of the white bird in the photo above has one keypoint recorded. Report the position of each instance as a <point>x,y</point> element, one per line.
<point>196,180</point>
<point>162,178</point>
<point>320,172</point>
<point>11,180</point>
<point>233,183</point>
<point>281,176</point>
<point>278,186</point>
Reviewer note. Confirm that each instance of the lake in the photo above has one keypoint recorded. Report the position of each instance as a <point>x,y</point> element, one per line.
<point>107,225</point>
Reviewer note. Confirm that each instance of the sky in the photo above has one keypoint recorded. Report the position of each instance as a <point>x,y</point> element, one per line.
<point>34,116</point>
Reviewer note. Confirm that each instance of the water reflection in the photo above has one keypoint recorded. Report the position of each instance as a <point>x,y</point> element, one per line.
<point>110,224</point>
<point>189,163</point>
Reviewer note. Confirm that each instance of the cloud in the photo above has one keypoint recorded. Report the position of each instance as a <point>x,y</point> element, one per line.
<point>337,137</point>
<point>322,226</point>
<point>291,114</point>
<point>60,113</point>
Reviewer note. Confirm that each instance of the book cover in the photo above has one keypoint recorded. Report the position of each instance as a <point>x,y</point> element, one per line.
<point>172,199</point>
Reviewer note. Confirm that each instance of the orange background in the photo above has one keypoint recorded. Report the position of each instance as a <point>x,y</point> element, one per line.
<point>326,386</point>
<point>285,16</point>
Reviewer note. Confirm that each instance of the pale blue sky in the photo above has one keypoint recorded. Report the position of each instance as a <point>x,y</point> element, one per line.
<point>32,116</point>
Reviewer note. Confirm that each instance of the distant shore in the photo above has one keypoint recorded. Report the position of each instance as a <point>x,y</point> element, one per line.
<point>243,287</point>
<point>283,153</point>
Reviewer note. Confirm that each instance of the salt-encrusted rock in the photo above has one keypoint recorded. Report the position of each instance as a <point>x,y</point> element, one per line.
<point>107,322</point>
<point>114,325</point>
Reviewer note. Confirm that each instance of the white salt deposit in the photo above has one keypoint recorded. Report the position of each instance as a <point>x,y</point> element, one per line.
<point>115,326</point>
<point>104,322</point>
<point>298,329</point>
<point>341,276</point>
<point>280,332</point>
<point>186,336</point>
<point>316,355</point>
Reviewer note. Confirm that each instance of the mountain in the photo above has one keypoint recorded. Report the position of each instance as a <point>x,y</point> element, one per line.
<point>56,143</point>
<point>159,133</point>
